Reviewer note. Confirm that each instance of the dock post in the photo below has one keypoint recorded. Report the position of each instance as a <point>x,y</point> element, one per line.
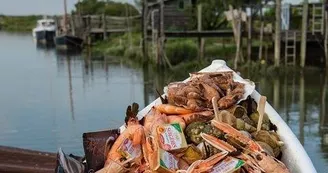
<point>144,24</point>
<point>266,53</point>
<point>302,108</point>
<point>249,37</point>
<point>261,35</point>
<point>72,22</point>
<point>89,29</point>
<point>104,26</point>
<point>304,32</point>
<point>154,35</point>
<point>276,93</point>
<point>201,40</point>
<point>277,41</point>
<point>323,99</point>
<point>326,38</point>
<point>286,98</point>
<point>160,48</point>
<point>236,25</point>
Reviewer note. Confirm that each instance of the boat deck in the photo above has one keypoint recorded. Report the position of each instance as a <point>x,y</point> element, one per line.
<point>16,160</point>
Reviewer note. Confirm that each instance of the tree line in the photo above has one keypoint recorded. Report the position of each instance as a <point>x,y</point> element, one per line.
<point>108,7</point>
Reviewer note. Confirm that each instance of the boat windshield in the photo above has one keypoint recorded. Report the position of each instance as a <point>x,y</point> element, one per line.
<point>46,23</point>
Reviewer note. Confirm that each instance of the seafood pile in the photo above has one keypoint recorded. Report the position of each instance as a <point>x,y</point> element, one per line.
<point>201,126</point>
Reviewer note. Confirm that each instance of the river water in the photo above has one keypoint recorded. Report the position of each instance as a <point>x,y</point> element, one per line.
<point>48,99</point>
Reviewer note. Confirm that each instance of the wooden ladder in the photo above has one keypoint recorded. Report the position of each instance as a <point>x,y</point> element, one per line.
<point>290,44</point>
<point>318,12</point>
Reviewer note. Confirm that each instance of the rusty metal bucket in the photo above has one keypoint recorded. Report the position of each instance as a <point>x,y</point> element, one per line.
<point>96,146</point>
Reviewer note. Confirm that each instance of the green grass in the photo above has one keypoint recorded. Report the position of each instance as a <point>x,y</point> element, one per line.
<point>18,23</point>
<point>179,51</point>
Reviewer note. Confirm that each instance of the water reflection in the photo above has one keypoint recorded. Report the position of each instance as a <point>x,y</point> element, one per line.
<point>301,100</point>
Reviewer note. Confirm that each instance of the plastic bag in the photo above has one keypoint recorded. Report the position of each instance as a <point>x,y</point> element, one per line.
<point>67,164</point>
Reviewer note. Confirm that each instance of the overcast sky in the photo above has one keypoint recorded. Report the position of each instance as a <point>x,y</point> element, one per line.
<point>24,7</point>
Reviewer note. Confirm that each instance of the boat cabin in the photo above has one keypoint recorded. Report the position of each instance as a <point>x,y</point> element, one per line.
<point>46,23</point>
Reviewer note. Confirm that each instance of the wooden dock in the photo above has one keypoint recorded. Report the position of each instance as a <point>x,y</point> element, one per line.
<point>15,160</point>
<point>311,37</point>
<point>88,25</point>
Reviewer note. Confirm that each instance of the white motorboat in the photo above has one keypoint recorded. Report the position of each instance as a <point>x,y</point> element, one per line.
<point>45,31</point>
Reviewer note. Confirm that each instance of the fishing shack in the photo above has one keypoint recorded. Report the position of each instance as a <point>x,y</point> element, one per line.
<point>176,14</point>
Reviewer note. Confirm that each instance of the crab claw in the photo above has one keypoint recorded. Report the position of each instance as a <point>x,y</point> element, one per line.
<point>214,159</point>
<point>230,131</point>
<point>218,143</point>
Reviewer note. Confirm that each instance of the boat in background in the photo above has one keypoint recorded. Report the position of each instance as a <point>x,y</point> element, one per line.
<point>68,42</point>
<point>65,40</point>
<point>45,31</point>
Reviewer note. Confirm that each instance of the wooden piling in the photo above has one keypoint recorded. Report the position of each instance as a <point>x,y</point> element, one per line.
<point>127,12</point>
<point>277,41</point>
<point>266,53</point>
<point>201,40</point>
<point>261,40</point>
<point>144,24</point>
<point>261,35</point>
<point>286,98</point>
<point>104,26</point>
<point>323,99</point>
<point>73,28</point>
<point>249,36</point>
<point>326,38</point>
<point>276,93</point>
<point>160,47</point>
<point>236,30</point>
<point>240,41</point>
<point>302,108</point>
<point>304,32</point>
<point>154,35</point>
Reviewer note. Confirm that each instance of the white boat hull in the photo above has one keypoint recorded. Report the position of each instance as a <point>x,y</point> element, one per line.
<point>45,31</point>
<point>294,156</point>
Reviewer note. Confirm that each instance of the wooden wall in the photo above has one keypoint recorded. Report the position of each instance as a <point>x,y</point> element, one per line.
<point>175,17</point>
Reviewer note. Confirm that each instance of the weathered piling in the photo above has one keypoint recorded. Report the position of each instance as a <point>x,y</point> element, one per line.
<point>236,27</point>
<point>277,34</point>
<point>201,40</point>
<point>249,36</point>
<point>144,24</point>
<point>161,33</point>
<point>304,33</point>
<point>323,99</point>
<point>302,108</point>
<point>261,34</point>
<point>326,38</point>
<point>276,93</point>
<point>104,26</point>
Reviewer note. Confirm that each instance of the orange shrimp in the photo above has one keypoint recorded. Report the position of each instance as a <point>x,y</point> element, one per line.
<point>170,109</point>
<point>133,132</point>
<point>198,116</point>
<point>153,118</point>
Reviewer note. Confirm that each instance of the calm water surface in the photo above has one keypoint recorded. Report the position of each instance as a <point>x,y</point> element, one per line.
<point>48,99</point>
